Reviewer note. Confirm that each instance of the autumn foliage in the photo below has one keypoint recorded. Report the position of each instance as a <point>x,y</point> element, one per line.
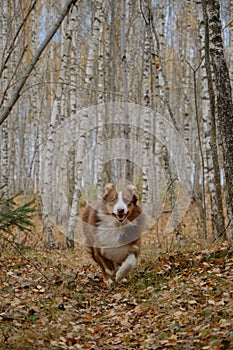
<point>176,300</point>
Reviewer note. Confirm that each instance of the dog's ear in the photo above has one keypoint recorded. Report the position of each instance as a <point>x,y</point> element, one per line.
<point>135,196</point>
<point>110,192</point>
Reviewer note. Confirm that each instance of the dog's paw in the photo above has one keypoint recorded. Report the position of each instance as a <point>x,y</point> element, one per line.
<point>120,279</point>
<point>108,282</point>
<point>124,280</point>
<point>126,267</point>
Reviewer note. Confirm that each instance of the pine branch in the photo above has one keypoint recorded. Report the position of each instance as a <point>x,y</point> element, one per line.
<point>12,215</point>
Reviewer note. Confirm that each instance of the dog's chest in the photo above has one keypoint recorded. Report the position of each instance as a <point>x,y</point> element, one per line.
<point>109,239</point>
<point>108,234</point>
<point>117,255</point>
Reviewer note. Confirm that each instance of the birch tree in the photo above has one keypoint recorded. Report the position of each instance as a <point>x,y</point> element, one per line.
<point>90,66</point>
<point>96,48</point>
<point>213,180</point>
<point>146,88</point>
<point>224,106</point>
<point>4,83</point>
<point>124,64</point>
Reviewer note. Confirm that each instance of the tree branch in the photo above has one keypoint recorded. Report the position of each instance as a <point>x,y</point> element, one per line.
<point>12,45</point>
<point>10,104</point>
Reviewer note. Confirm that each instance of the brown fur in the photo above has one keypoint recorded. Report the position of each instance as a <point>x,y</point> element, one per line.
<point>114,244</point>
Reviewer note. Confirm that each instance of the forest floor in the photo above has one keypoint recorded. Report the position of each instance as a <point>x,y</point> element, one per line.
<point>177,298</point>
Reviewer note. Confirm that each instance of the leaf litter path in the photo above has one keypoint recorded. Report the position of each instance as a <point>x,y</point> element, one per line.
<point>57,300</point>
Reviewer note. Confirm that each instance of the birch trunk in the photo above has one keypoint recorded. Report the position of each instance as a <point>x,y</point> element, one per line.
<point>78,182</point>
<point>210,137</point>
<point>124,64</point>
<point>224,105</point>
<point>98,19</point>
<point>63,112</point>
<point>4,130</point>
<point>146,88</point>
<point>100,99</point>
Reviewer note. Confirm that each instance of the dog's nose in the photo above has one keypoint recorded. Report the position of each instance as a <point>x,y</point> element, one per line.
<point>120,211</point>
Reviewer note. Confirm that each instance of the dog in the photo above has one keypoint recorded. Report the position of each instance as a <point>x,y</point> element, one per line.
<point>113,228</point>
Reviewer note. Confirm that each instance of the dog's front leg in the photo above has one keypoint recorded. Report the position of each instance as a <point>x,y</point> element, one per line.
<point>129,263</point>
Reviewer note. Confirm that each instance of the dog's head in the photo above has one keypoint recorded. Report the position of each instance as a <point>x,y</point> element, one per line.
<point>121,205</point>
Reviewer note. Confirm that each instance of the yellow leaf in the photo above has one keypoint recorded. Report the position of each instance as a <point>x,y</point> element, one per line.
<point>230,25</point>
<point>173,337</point>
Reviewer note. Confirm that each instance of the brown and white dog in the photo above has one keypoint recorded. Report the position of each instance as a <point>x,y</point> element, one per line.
<point>113,229</point>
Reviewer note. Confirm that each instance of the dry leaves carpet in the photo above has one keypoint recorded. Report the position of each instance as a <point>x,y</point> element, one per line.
<point>56,300</point>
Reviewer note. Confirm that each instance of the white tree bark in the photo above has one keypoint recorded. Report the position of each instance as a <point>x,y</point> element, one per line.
<point>4,130</point>
<point>81,144</point>
<point>146,87</point>
<point>222,86</point>
<point>125,6</point>
<point>98,20</point>
<point>55,202</point>
<point>212,169</point>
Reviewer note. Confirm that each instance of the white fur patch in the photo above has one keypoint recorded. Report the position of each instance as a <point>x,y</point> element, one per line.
<point>120,204</point>
<point>108,282</point>
<point>126,267</point>
<point>107,233</point>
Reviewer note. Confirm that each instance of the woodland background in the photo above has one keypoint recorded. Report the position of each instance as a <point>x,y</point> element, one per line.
<point>173,57</point>
<point>173,60</point>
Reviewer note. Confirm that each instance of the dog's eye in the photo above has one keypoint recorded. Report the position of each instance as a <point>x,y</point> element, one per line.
<point>110,201</point>
<point>113,200</point>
